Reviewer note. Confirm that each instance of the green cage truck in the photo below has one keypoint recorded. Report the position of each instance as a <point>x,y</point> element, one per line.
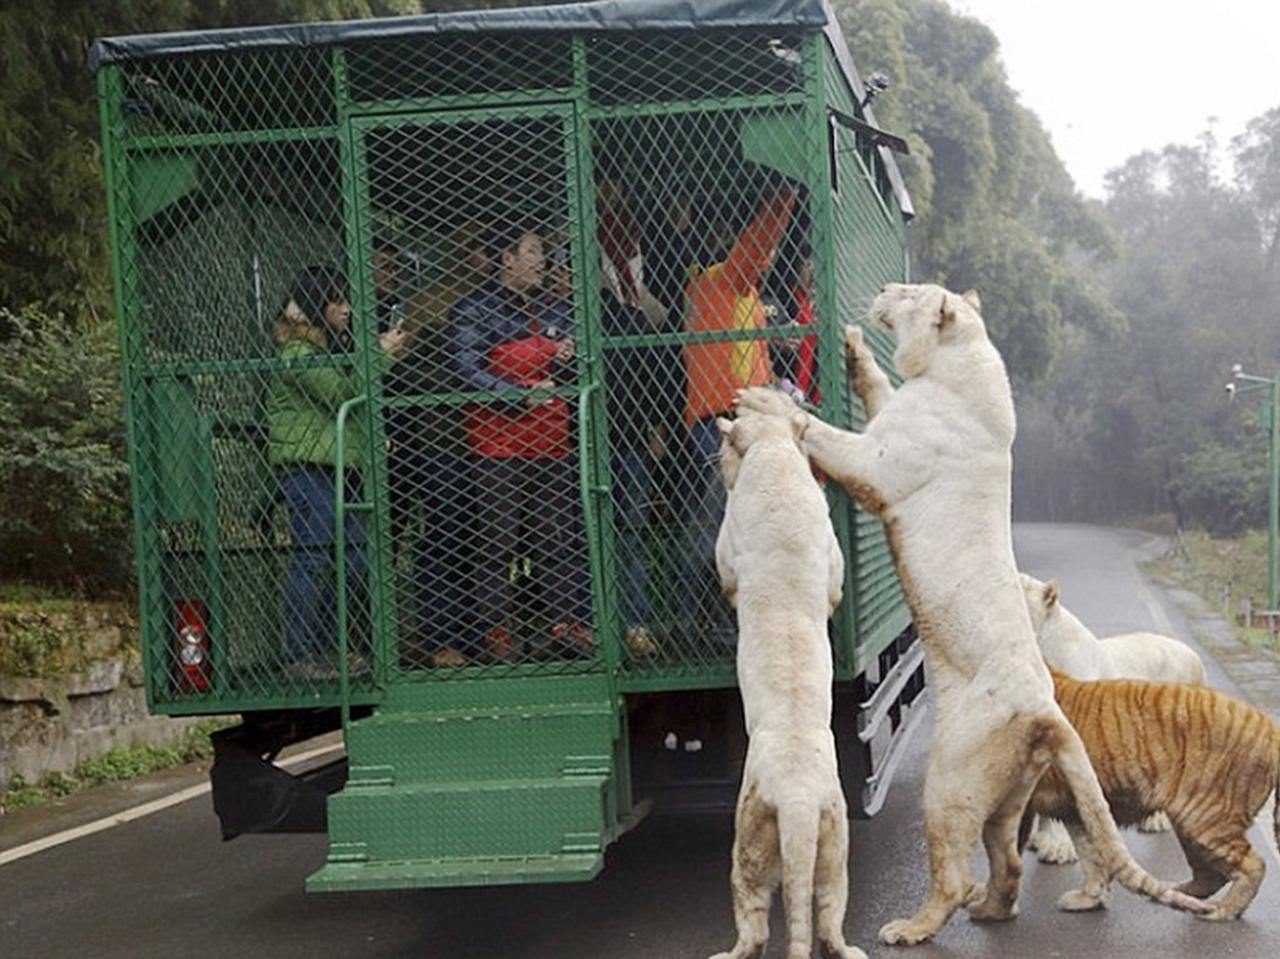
<point>425,324</point>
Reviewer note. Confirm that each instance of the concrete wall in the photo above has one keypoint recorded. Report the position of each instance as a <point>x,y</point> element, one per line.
<point>53,724</point>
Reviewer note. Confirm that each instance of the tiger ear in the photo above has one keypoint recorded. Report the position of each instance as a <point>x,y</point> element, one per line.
<point>971,297</point>
<point>1051,594</point>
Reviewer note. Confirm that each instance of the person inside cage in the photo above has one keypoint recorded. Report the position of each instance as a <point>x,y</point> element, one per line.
<point>723,297</point>
<point>508,335</point>
<point>672,247</point>
<point>302,407</point>
<point>638,381</point>
<point>438,469</point>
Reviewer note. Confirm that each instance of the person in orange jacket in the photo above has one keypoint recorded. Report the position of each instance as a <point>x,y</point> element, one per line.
<point>723,297</point>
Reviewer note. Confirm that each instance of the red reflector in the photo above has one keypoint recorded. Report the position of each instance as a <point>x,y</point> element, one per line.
<point>193,668</point>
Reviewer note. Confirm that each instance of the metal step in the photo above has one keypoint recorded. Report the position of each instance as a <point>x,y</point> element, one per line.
<point>514,781</point>
<point>477,744</point>
<point>417,874</point>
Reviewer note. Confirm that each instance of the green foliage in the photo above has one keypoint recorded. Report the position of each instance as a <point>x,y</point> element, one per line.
<point>1225,488</point>
<point>58,637</point>
<point>1198,285</point>
<point>1219,568</point>
<point>63,472</point>
<point>115,766</point>
<point>997,210</point>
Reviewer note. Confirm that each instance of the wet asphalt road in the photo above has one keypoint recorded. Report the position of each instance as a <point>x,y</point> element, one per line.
<point>164,885</point>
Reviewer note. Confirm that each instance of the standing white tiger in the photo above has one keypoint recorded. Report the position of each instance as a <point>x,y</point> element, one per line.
<point>781,567</point>
<point>934,465</point>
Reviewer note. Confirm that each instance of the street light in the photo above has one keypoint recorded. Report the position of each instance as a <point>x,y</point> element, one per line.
<point>1243,382</point>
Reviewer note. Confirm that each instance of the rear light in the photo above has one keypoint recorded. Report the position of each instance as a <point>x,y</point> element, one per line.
<point>193,666</point>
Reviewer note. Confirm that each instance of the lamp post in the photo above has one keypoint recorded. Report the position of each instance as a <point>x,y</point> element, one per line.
<point>1272,385</point>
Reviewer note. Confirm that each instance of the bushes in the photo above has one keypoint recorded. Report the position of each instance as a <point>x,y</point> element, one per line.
<point>1223,488</point>
<point>64,505</point>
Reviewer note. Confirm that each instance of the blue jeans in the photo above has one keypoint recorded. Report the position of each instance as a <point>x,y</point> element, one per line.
<point>632,496</point>
<point>311,589</point>
<point>701,513</point>
<point>444,559</point>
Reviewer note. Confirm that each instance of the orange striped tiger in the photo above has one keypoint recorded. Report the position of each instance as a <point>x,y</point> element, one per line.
<point>1208,760</point>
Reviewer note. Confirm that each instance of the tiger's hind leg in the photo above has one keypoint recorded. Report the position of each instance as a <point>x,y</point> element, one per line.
<point>1245,867</point>
<point>1093,894</point>
<point>831,882</point>
<point>1000,838</point>
<point>971,774</point>
<point>756,872</point>
<point>1206,876</point>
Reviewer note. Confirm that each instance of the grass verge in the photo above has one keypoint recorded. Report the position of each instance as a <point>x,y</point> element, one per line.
<point>1222,572</point>
<point>115,766</point>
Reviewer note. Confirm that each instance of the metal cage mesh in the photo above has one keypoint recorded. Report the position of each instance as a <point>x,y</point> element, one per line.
<point>533,268</point>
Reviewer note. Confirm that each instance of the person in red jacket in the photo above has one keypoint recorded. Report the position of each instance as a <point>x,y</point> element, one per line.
<point>504,336</point>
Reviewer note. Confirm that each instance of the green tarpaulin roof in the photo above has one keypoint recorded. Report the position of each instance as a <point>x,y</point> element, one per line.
<point>597,16</point>
<point>602,15</point>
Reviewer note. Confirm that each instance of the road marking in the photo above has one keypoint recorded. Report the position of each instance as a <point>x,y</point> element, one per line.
<point>138,812</point>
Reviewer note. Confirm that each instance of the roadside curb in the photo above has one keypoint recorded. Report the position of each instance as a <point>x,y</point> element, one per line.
<point>1255,671</point>
<point>115,803</point>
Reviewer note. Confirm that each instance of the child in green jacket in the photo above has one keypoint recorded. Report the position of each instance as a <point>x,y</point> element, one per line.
<point>302,416</point>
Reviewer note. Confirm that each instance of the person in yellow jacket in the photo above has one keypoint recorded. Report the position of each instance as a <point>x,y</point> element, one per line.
<point>723,297</point>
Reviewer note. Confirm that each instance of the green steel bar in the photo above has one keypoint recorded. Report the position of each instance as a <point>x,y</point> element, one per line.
<point>358,221</point>
<point>769,334</point>
<point>769,101</point>
<point>172,141</point>
<point>569,667</point>
<point>831,367</point>
<point>668,677</point>
<point>463,101</point>
<point>340,554</point>
<point>428,400</point>
<point>593,436</point>
<point>124,259</point>
<point>480,114</point>
<point>273,365</point>
<point>276,698</point>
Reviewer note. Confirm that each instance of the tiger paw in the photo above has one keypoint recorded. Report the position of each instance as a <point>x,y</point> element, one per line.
<point>904,932</point>
<point>1080,900</point>
<point>1156,822</point>
<point>1053,844</point>
<point>984,906</point>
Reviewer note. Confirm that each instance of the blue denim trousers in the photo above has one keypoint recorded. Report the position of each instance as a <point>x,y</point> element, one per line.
<point>701,512</point>
<point>632,497</point>
<point>311,584</point>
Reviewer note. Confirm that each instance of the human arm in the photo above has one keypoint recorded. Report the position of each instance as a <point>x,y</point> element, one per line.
<point>470,344</point>
<point>753,252</point>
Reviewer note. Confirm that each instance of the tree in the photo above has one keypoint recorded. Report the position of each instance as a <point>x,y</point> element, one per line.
<point>997,210</point>
<point>1257,156</point>
<point>1199,293</point>
<point>53,239</point>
